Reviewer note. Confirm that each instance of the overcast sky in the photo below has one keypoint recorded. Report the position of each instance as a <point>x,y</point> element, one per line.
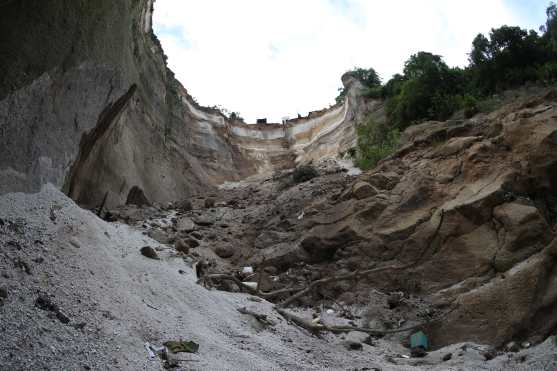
<point>276,58</point>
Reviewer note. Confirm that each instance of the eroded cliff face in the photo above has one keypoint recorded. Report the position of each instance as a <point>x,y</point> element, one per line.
<point>87,104</point>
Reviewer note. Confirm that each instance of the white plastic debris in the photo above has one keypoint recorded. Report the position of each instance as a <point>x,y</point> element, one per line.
<point>405,356</point>
<point>252,285</point>
<point>301,216</point>
<point>247,270</point>
<point>330,311</point>
<point>150,351</point>
<point>316,320</point>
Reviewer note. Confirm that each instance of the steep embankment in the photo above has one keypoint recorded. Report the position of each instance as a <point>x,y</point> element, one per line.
<point>87,104</point>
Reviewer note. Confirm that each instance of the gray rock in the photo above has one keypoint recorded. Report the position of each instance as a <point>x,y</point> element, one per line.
<point>210,202</point>
<point>3,293</point>
<point>160,236</point>
<point>149,252</point>
<point>185,224</point>
<point>224,252</point>
<point>362,190</point>
<point>184,205</point>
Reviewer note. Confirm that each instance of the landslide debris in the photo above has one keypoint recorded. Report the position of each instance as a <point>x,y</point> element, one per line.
<point>471,218</point>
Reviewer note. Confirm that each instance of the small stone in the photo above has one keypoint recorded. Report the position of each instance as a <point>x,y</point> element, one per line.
<point>160,236</point>
<point>353,345</point>
<point>224,252</point>
<point>149,252</point>
<point>185,205</point>
<point>45,303</point>
<point>362,190</point>
<point>394,300</point>
<point>196,235</point>
<point>490,354</point>
<point>62,317</point>
<point>210,202</point>
<point>3,293</point>
<point>418,352</point>
<point>185,224</point>
<point>512,347</point>
<point>182,246</point>
<point>447,357</point>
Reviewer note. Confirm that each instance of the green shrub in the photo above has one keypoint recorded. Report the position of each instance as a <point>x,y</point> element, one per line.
<point>470,105</point>
<point>375,142</point>
<point>547,73</point>
<point>304,173</point>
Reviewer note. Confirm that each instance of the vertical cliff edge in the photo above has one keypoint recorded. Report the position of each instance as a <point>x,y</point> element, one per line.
<point>88,104</point>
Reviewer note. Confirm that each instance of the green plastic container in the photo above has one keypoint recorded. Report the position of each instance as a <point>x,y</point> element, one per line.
<point>419,339</point>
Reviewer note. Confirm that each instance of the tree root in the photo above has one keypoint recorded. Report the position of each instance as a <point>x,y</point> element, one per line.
<point>318,327</point>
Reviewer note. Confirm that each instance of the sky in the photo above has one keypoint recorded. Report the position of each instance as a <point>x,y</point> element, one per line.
<point>280,58</point>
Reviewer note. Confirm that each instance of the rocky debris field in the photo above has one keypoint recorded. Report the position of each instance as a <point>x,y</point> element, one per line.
<point>314,268</point>
<point>78,293</point>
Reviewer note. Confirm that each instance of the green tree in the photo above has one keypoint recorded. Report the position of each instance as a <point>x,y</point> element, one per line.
<point>369,79</point>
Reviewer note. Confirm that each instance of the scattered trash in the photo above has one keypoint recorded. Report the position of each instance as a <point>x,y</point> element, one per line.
<point>330,311</point>
<point>247,270</point>
<point>316,320</point>
<point>405,356</point>
<point>301,216</point>
<point>419,344</point>
<point>525,345</point>
<point>150,351</point>
<point>252,285</point>
<point>182,346</point>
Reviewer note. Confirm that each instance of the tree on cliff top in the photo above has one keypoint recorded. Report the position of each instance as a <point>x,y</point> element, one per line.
<point>368,77</point>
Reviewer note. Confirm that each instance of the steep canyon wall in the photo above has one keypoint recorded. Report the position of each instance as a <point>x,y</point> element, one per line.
<point>87,103</point>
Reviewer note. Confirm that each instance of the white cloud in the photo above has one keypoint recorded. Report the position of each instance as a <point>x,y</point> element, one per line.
<point>271,59</point>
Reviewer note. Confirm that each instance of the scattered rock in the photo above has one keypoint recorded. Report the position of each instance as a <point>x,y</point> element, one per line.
<point>224,252</point>
<point>160,236</point>
<point>44,302</point>
<point>185,205</point>
<point>362,190</point>
<point>182,246</point>
<point>355,339</point>
<point>395,299</point>
<point>210,202</point>
<point>386,181</point>
<point>3,293</point>
<point>513,346</point>
<point>203,221</point>
<point>185,224</point>
<point>418,352</point>
<point>447,357</point>
<point>22,264</point>
<point>149,252</point>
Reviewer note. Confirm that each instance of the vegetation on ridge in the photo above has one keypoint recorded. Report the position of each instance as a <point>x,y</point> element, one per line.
<point>428,89</point>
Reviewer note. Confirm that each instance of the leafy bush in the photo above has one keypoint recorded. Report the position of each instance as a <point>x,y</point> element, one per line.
<point>375,142</point>
<point>304,173</point>
<point>547,73</point>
